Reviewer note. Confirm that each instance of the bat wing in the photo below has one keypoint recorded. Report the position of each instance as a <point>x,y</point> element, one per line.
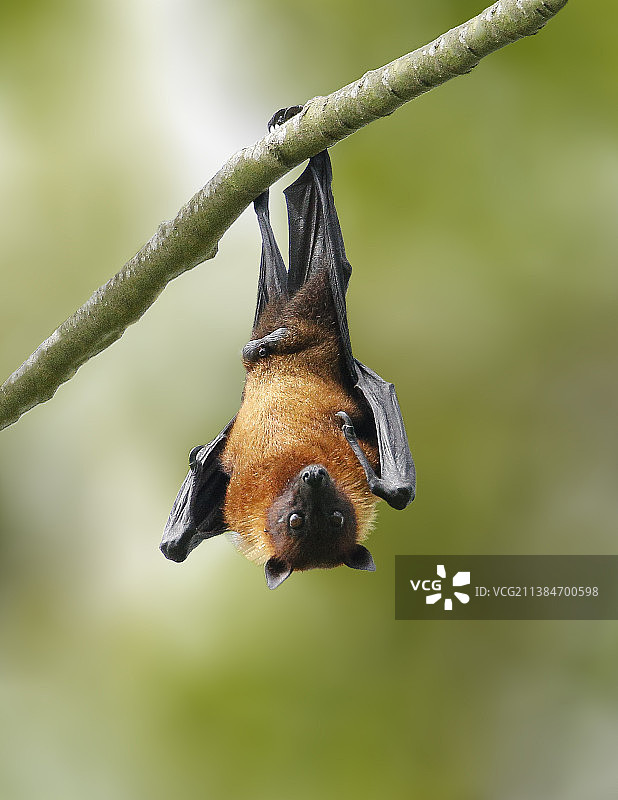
<point>273,280</point>
<point>397,480</point>
<point>197,513</point>
<point>316,242</point>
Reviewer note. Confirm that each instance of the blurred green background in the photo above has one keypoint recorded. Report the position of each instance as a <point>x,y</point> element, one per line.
<point>481,224</point>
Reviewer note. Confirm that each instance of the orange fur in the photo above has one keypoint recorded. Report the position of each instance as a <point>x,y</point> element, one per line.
<point>287,421</point>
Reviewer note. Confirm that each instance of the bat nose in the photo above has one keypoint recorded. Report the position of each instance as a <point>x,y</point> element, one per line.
<point>314,475</point>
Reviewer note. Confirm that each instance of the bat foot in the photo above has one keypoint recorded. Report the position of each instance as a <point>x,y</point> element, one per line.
<point>283,115</point>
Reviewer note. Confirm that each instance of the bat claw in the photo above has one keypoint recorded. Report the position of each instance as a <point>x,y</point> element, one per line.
<point>347,427</point>
<point>257,349</point>
<point>283,115</point>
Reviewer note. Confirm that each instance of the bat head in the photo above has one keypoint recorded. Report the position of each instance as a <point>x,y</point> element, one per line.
<point>313,524</point>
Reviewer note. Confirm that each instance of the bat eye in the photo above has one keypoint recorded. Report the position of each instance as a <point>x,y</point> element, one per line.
<point>296,521</point>
<point>336,519</point>
<point>263,351</point>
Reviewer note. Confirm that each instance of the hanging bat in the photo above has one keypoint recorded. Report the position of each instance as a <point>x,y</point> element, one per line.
<point>319,437</point>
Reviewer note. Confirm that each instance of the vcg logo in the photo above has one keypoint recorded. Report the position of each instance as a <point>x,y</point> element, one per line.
<point>435,587</point>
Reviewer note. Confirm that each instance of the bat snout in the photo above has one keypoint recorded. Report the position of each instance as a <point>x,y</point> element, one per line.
<point>315,475</point>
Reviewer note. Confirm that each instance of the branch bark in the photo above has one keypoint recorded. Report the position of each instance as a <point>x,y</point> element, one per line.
<point>192,237</point>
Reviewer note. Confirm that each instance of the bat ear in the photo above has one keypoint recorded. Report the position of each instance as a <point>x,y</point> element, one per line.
<point>360,558</point>
<point>276,572</point>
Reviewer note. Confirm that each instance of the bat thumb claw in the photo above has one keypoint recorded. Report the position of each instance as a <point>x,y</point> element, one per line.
<point>347,427</point>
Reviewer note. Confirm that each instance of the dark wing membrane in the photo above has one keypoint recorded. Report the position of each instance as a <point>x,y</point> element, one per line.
<point>316,243</point>
<point>273,280</point>
<point>397,479</point>
<point>197,513</point>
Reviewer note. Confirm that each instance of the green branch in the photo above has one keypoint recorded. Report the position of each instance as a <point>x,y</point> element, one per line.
<point>193,235</point>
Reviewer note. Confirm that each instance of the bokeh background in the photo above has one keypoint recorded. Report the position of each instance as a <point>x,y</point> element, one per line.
<point>481,224</point>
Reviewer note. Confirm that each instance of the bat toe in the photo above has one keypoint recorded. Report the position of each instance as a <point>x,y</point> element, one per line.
<point>283,115</point>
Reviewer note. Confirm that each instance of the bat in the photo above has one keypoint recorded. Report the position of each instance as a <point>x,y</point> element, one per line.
<point>319,437</point>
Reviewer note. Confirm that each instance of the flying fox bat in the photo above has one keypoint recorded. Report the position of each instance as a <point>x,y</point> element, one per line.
<point>319,437</point>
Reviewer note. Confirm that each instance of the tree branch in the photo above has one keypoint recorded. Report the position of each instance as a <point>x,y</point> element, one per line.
<point>193,235</point>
